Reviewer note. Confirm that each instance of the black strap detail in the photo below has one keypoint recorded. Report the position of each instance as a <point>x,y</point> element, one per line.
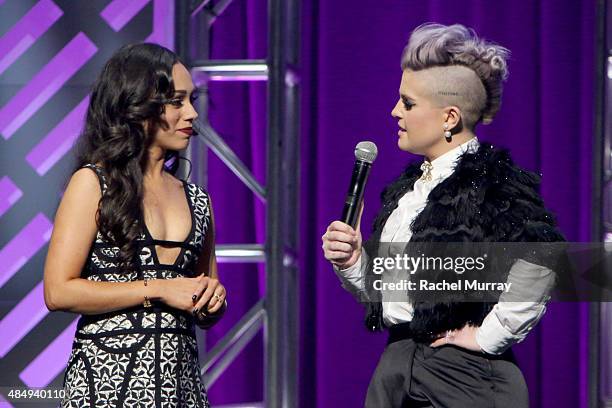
<point>141,330</point>
<point>149,242</point>
<point>167,243</point>
<point>114,270</point>
<point>156,308</point>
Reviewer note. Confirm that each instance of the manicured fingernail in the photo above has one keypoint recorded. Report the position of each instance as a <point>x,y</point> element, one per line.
<point>194,298</point>
<point>195,311</point>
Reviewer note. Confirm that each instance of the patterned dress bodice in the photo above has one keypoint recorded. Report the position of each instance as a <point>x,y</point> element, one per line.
<point>102,265</point>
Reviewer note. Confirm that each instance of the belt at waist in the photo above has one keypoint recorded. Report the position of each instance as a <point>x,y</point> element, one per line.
<point>402,331</point>
<point>136,330</point>
<point>156,308</point>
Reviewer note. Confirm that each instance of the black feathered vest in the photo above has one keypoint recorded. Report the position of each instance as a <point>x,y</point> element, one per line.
<point>486,199</point>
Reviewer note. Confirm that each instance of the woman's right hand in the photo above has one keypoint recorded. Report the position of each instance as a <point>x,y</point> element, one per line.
<point>179,292</point>
<point>342,244</point>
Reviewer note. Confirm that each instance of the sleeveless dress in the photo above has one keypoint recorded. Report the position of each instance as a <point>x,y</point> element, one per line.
<point>140,357</point>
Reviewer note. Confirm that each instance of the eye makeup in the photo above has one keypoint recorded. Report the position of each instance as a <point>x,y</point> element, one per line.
<point>180,95</point>
<point>407,103</point>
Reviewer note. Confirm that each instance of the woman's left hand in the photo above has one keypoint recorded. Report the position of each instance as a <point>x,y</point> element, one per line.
<point>212,298</point>
<point>464,338</point>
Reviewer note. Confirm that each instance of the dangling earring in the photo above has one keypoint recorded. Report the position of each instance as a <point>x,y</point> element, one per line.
<point>447,133</point>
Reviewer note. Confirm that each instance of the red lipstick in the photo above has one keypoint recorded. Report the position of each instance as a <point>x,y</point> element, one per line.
<point>187,131</point>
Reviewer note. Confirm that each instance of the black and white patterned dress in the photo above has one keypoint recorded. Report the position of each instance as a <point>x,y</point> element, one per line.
<point>140,357</point>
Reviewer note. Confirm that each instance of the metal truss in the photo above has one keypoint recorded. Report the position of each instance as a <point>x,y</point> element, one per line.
<point>600,323</point>
<point>605,125</point>
<point>277,312</point>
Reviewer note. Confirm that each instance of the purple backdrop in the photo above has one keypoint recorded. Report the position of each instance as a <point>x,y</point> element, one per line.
<point>350,76</point>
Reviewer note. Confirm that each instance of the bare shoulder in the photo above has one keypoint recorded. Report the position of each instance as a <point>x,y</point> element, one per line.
<point>82,195</point>
<point>75,226</point>
<point>85,182</point>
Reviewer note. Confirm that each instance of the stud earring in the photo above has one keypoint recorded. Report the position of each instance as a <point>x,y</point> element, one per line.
<point>447,133</point>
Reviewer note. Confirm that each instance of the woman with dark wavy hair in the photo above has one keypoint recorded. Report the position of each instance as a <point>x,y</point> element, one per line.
<point>445,350</point>
<point>132,248</point>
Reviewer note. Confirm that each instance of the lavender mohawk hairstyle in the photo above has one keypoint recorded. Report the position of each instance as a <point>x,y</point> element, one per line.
<point>447,51</point>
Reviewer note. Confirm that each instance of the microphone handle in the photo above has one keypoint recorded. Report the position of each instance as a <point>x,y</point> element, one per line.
<point>354,198</point>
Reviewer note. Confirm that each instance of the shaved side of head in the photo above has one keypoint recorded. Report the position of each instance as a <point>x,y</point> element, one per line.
<point>455,85</point>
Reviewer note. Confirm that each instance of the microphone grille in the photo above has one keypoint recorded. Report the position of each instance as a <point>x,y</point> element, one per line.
<point>366,151</point>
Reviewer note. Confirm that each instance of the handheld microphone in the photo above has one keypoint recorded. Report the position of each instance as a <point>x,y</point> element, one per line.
<point>365,154</point>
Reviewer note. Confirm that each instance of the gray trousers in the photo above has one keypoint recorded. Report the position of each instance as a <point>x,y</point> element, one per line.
<point>411,374</point>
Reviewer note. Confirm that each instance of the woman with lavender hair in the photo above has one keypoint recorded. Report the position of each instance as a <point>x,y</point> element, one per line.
<point>442,351</point>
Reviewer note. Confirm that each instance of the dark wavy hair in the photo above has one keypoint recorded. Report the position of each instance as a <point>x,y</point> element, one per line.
<point>124,114</point>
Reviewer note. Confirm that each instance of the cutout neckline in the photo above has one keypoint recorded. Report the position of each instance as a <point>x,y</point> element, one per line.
<point>169,242</point>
